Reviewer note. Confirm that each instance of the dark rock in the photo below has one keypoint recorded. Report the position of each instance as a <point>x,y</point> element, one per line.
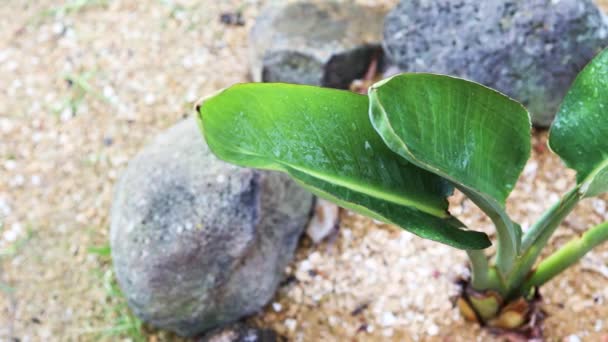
<point>240,332</point>
<point>531,50</point>
<point>232,18</point>
<point>197,242</point>
<point>315,42</point>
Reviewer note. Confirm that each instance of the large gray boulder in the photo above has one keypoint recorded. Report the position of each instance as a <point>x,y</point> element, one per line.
<point>197,242</point>
<point>315,42</point>
<point>531,50</point>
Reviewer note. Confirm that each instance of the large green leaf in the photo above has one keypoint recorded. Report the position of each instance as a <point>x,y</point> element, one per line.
<point>458,129</point>
<point>579,134</point>
<point>323,138</point>
<point>473,136</point>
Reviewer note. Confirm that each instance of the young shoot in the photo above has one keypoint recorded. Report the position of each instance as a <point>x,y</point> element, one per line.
<point>398,153</point>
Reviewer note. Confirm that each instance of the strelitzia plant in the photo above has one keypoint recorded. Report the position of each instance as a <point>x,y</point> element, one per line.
<point>398,153</point>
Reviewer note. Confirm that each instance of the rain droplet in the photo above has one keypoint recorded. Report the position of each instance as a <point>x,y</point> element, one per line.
<point>368,149</point>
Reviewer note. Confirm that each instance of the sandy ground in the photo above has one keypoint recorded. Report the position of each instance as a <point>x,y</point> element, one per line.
<point>85,84</point>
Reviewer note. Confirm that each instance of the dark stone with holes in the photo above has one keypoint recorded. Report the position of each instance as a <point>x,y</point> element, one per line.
<point>315,42</point>
<point>197,242</point>
<point>530,50</point>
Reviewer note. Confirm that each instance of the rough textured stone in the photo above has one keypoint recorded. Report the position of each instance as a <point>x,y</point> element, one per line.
<point>240,332</point>
<point>197,242</point>
<point>314,42</point>
<point>531,50</point>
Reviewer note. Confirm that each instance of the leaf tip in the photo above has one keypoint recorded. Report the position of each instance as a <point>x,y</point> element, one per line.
<point>198,105</point>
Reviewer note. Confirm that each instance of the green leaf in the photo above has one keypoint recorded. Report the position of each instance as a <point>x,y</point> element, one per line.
<point>579,134</point>
<point>471,135</point>
<point>460,130</point>
<point>323,138</point>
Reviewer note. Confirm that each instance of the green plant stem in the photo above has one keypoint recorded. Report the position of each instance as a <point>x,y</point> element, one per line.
<point>479,270</point>
<point>508,233</point>
<point>538,236</point>
<point>551,219</point>
<point>483,276</point>
<point>566,256</point>
<point>506,250</point>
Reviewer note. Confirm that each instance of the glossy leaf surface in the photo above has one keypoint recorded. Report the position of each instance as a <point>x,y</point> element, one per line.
<point>323,138</point>
<point>460,130</point>
<point>579,134</point>
<point>471,135</point>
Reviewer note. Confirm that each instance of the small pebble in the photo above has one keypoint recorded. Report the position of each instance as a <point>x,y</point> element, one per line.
<point>35,180</point>
<point>291,324</point>
<point>598,325</point>
<point>149,99</point>
<point>599,206</point>
<point>191,96</point>
<point>232,18</point>
<point>6,126</point>
<point>388,319</point>
<point>9,236</point>
<point>10,164</point>
<point>66,114</point>
<point>560,184</point>
<point>432,330</point>
<point>108,92</point>
<point>58,28</point>
<point>5,208</point>
<point>388,332</point>
<point>17,181</point>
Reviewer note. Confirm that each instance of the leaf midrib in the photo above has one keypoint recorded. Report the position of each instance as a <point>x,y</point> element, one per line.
<point>370,190</point>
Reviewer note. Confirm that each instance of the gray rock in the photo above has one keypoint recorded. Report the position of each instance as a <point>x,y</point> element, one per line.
<point>531,50</point>
<point>315,42</point>
<point>239,332</point>
<point>197,242</point>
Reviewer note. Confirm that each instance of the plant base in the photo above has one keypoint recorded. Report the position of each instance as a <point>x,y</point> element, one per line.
<point>517,320</point>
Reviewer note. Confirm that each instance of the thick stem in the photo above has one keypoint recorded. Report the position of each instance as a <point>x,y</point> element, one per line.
<point>566,256</point>
<point>537,237</point>
<point>483,276</point>
<point>509,233</point>
<point>479,269</point>
<point>508,244</point>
